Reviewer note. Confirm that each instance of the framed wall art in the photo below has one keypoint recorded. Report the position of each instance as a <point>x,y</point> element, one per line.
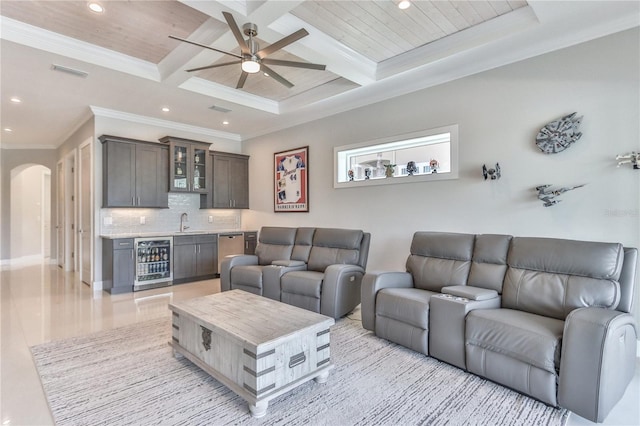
<point>291,181</point>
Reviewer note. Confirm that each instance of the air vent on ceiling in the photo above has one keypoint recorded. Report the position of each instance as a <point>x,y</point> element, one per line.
<point>68,70</point>
<point>219,108</point>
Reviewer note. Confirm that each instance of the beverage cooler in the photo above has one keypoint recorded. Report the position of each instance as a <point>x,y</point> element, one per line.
<point>154,263</point>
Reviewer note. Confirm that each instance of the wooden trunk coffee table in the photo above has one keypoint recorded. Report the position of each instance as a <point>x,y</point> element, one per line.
<point>257,347</point>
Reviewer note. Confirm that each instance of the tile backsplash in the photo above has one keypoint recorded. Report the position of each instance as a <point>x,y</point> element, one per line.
<point>129,221</point>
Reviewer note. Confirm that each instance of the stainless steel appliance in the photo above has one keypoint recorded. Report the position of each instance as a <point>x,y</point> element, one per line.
<point>154,263</point>
<point>229,243</point>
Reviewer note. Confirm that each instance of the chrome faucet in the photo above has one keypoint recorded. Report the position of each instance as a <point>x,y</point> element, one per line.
<point>183,218</point>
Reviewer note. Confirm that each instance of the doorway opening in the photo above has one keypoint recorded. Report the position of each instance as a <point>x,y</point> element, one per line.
<point>30,214</point>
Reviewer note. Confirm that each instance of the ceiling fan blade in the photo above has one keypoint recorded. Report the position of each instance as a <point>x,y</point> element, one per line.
<point>205,46</point>
<point>213,66</point>
<point>277,76</point>
<point>283,42</point>
<point>293,64</point>
<point>233,26</point>
<point>241,80</point>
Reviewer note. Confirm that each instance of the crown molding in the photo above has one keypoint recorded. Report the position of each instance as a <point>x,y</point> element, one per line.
<point>141,119</point>
<point>38,38</point>
<point>17,146</point>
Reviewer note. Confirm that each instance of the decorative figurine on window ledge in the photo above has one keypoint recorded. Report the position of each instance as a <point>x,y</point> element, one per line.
<point>411,168</point>
<point>367,173</point>
<point>389,170</point>
<point>350,175</point>
<point>632,158</point>
<point>493,173</point>
<point>434,166</point>
<point>548,196</point>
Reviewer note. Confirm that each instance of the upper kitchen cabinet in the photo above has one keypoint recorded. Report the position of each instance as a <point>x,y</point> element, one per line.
<point>230,185</point>
<point>135,173</point>
<point>190,165</point>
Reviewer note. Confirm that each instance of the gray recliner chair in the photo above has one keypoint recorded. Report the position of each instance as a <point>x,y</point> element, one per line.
<point>330,283</point>
<point>563,334</point>
<point>550,318</point>
<point>247,272</point>
<point>318,269</point>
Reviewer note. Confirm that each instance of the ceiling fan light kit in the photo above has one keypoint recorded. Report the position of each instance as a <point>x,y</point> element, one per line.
<point>250,65</point>
<point>252,59</point>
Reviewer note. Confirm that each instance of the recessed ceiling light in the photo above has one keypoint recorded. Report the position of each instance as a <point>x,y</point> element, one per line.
<point>96,7</point>
<point>266,74</point>
<point>16,100</point>
<point>8,130</point>
<point>165,109</point>
<point>225,122</point>
<point>404,4</point>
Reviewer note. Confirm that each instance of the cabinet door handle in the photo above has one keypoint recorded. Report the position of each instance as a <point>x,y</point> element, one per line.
<point>133,201</point>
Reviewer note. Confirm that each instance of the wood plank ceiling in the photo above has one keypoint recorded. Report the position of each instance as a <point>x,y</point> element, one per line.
<point>378,30</point>
<point>135,28</point>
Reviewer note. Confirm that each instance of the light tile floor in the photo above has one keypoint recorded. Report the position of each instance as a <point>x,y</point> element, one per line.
<point>41,303</point>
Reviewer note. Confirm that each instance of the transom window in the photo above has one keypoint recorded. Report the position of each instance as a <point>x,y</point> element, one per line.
<point>416,157</point>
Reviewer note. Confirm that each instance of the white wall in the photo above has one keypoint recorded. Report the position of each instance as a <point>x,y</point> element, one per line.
<point>499,113</point>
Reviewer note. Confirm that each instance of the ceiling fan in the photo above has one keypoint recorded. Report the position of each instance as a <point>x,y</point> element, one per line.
<point>252,58</point>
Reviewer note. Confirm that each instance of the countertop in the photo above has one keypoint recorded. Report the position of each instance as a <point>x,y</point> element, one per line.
<point>170,234</point>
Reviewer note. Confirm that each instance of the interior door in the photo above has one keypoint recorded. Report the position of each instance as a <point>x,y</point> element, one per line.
<point>85,228</point>
<point>70,217</point>
<point>60,214</point>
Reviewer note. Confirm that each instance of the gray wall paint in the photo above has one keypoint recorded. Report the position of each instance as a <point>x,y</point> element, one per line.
<point>499,113</point>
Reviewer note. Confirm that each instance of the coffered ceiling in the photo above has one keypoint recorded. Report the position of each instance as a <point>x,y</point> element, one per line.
<point>372,50</point>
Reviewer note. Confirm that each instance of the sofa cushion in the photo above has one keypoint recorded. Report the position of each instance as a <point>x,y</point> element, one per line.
<point>275,243</point>
<point>581,258</point>
<point>247,275</point>
<point>304,283</point>
<point>489,262</point>
<point>530,338</point>
<point>552,277</point>
<point>302,245</point>
<point>334,246</point>
<point>408,305</point>
<point>440,259</point>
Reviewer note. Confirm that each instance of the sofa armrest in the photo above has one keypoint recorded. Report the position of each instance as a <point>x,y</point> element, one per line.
<point>447,321</point>
<point>340,289</point>
<point>228,263</point>
<point>271,275</point>
<point>470,292</point>
<point>597,361</point>
<point>372,283</point>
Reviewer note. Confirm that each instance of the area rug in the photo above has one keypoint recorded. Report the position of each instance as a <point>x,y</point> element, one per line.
<point>129,376</point>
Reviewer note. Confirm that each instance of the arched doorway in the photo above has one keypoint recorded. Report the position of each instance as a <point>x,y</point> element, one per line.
<point>30,214</point>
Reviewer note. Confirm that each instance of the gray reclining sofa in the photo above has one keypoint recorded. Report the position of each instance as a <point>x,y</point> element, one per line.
<point>547,317</point>
<point>318,269</point>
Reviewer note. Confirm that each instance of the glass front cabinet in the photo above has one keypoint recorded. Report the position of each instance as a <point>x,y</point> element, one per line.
<point>190,165</point>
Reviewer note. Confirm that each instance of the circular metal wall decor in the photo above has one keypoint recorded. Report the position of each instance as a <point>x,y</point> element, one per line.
<point>559,134</point>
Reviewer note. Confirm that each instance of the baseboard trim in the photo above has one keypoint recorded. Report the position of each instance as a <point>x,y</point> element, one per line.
<point>18,262</point>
